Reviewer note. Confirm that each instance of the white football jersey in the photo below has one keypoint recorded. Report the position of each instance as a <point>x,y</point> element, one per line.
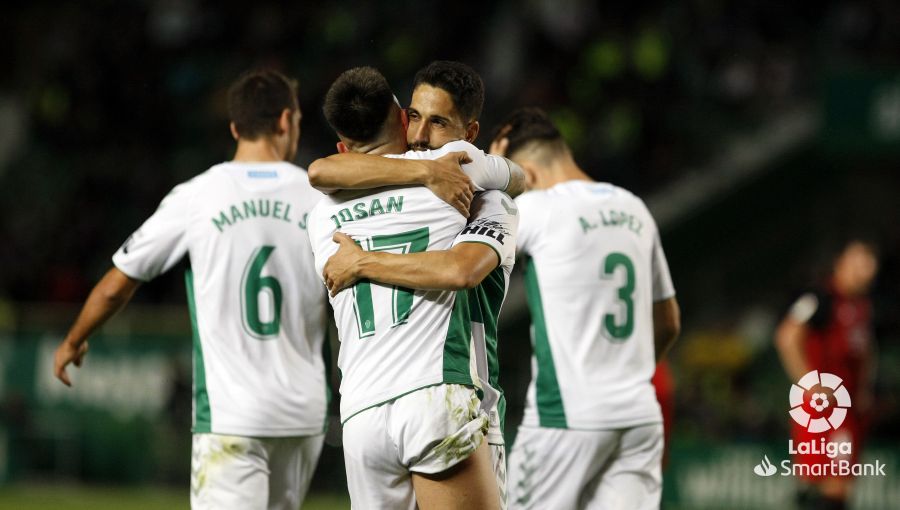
<point>396,340</point>
<point>257,305</point>
<point>494,222</point>
<point>596,267</point>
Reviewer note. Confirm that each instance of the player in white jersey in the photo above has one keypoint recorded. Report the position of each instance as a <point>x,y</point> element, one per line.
<point>413,432</point>
<point>603,313</point>
<point>481,260</point>
<point>257,310</point>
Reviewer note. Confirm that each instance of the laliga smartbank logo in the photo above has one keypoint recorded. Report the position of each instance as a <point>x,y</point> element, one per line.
<point>819,403</point>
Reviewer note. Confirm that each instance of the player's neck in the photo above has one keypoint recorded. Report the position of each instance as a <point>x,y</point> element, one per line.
<point>384,147</point>
<point>565,170</point>
<point>257,151</point>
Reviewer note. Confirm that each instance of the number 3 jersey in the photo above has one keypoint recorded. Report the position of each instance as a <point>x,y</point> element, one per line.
<point>596,266</point>
<point>257,305</point>
<point>396,340</point>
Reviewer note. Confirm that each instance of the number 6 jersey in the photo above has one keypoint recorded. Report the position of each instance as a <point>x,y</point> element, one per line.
<point>396,340</point>
<point>257,305</point>
<point>596,266</point>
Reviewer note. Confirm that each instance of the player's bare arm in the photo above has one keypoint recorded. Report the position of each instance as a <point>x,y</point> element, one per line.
<point>109,296</point>
<point>462,267</point>
<point>789,341</point>
<point>443,176</point>
<point>666,325</point>
<point>517,184</point>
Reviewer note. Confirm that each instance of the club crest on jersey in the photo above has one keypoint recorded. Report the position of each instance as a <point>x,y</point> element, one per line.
<point>487,228</point>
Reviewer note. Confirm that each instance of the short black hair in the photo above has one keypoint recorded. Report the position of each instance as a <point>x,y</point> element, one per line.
<point>256,100</point>
<point>358,103</point>
<point>457,79</point>
<point>528,125</point>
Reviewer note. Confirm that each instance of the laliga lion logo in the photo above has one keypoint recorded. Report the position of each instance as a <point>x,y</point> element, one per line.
<point>819,400</point>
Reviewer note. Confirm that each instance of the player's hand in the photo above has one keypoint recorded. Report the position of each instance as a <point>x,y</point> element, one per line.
<point>68,353</point>
<point>448,182</point>
<point>340,269</point>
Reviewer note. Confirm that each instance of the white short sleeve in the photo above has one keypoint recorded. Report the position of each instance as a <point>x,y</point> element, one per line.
<point>662,279</point>
<point>488,172</point>
<point>160,242</point>
<point>494,222</point>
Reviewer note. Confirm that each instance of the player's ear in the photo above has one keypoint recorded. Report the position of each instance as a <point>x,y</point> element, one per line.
<point>284,121</point>
<point>472,131</point>
<point>404,119</point>
<point>342,148</point>
<point>532,174</point>
<point>234,132</point>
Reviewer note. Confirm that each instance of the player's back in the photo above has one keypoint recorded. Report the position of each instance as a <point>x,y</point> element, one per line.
<point>394,340</point>
<point>257,308</point>
<point>594,255</point>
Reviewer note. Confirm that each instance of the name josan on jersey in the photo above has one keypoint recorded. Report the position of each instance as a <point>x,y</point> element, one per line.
<point>257,308</point>
<point>396,340</point>
<point>596,266</point>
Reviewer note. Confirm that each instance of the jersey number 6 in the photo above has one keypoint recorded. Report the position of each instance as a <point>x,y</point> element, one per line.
<point>252,284</point>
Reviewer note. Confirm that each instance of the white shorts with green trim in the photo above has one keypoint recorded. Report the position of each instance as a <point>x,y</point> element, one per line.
<point>589,469</point>
<point>249,473</point>
<point>427,431</point>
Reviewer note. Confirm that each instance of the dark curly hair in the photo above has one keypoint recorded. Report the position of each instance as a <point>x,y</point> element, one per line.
<point>460,81</point>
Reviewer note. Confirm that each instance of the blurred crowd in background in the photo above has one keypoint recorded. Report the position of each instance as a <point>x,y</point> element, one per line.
<point>104,106</point>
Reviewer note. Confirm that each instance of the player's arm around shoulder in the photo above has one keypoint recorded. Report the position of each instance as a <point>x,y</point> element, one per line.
<point>487,241</point>
<point>461,267</point>
<point>442,174</point>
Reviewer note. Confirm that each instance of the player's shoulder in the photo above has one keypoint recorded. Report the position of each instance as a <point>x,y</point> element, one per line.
<point>497,200</point>
<point>454,146</point>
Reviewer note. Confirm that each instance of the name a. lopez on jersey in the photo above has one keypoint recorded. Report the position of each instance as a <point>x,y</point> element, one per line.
<point>487,228</point>
<point>613,218</point>
<point>261,208</point>
<point>362,210</point>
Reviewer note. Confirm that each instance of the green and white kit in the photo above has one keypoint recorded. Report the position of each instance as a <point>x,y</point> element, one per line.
<point>257,304</point>
<point>595,268</point>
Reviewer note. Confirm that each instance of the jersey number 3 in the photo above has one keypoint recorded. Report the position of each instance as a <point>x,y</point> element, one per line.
<point>252,285</point>
<point>412,241</point>
<point>616,330</point>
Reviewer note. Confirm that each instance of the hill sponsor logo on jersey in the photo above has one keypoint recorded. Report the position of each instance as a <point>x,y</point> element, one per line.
<point>487,228</point>
<point>819,403</point>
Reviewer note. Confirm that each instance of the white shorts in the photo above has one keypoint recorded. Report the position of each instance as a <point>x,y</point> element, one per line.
<point>589,469</point>
<point>427,431</point>
<point>246,473</point>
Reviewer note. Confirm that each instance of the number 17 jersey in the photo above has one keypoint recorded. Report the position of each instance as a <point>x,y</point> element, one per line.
<point>396,340</point>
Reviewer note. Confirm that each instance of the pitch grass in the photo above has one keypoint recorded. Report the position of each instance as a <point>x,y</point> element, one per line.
<point>85,497</point>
